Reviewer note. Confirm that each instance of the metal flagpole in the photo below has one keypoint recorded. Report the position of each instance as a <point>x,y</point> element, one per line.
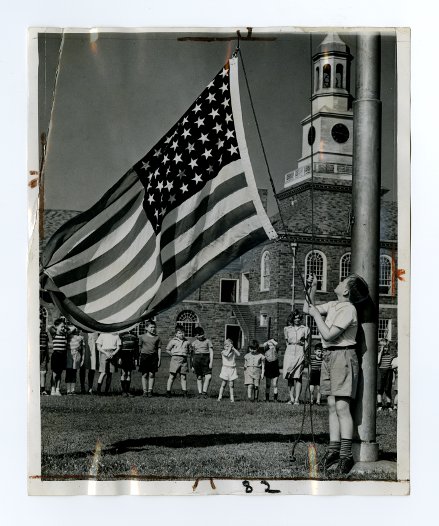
<point>366,182</point>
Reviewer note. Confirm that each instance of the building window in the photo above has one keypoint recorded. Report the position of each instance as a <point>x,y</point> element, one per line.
<point>265,271</point>
<point>189,320</point>
<point>315,264</point>
<point>384,329</point>
<point>263,320</point>
<point>43,316</point>
<point>345,266</point>
<point>385,281</point>
<point>339,76</point>
<point>327,76</point>
<point>311,323</point>
<point>317,80</point>
<point>228,290</point>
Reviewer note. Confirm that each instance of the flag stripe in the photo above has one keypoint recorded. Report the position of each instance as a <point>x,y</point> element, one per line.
<point>204,206</point>
<point>179,293</point>
<point>98,286</point>
<point>206,237</point>
<point>65,237</point>
<point>125,236</point>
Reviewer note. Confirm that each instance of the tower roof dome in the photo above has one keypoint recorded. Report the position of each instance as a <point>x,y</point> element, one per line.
<point>332,42</point>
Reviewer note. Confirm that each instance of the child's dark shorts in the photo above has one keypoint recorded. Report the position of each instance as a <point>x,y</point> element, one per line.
<point>126,361</point>
<point>201,364</point>
<point>58,362</point>
<point>314,377</point>
<point>339,373</point>
<point>384,381</point>
<point>272,369</point>
<point>149,363</point>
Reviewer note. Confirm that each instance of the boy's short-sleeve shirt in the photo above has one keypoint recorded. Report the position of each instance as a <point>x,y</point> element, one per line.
<point>202,346</point>
<point>253,360</point>
<point>108,341</point>
<point>178,347</point>
<point>341,314</point>
<point>149,344</point>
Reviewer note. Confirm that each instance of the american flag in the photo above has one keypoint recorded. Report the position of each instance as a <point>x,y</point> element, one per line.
<point>188,208</point>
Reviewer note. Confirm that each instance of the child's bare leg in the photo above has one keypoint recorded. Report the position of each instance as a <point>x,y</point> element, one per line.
<point>145,383</point>
<point>267,389</point>
<point>100,381</point>
<point>318,394</point>
<point>256,393</point>
<point>311,393</point>
<point>221,391</point>
<point>334,425</point>
<point>183,383</point>
<point>342,406</point>
<point>200,384</point>
<point>170,382</point>
<point>206,384</point>
<point>250,392</point>
<point>297,390</point>
<point>232,396</point>
<point>151,380</point>
<point>274,384</point>
<point>291,389</point>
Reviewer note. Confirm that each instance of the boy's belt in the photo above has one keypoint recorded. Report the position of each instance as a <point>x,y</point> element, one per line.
<point>340,348</point>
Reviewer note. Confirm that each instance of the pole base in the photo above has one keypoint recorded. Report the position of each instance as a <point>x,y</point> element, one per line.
<point>365,451</point>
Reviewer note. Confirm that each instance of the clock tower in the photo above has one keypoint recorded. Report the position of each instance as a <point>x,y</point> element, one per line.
<point>327,131</point>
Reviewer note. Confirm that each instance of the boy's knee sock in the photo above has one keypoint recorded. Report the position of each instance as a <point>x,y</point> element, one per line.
<point>256,393</point>
<point>334,445</point>
<point>91,377</point>
<point>99,388</point>
<point>346,447</point>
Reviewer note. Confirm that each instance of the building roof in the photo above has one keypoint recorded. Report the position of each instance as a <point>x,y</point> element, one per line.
<point>332,42</point>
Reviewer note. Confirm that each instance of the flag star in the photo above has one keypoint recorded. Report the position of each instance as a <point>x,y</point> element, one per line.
<point>168,139</point>
<point>181,174</point>
<point>211,97</point>
<point>151,198</point>
<point>186,133</point>
<point>193,163</point>
<point>165,159</point>
<point>225,102</point>
<point>156,213</point>
<point>197,108</point>
<point>157,152</point>
<point>150,175</point>
<point>197,178</point>
<point>177,158</point>
<point>224,72</point>
<point>203,137</point>
<point>223,88</point>
<point>229,134</point>
<point>185,120</point>
<point>160,186</point>
<point>168,170</point>
<point>163,211</point>
<point>217,127</point>
<point>184,188</point>
<point>232,149</point>
<point>213,113</point>
<point>172,199</point>
<point>199,122</point>
<point>149,186</point>
<point>220,144</point>
<point>156,173</point>
<point>210,169</point>
<point>210,85</point>
<point>228,117</point>
<point>190,148</point>
<point>169,185</point>
<point>174,145</point>
<point>207,153</point>
<point>145,166</point>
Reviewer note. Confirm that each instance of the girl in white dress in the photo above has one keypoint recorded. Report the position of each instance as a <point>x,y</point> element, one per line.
<point>296,337</point>
<point>228,370</point>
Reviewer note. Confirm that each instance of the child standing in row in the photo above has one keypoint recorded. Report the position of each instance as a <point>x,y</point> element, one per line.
<point>108,346</point>
<point>44,357</point>
<point>253,370</point>
<point>59,355</point>
<point>202,360</point>
<point>179,349</point>
<point>75,356</point>
<point>228,370</point>
<point>128,353</point>
<point>150,357</point>
<point>385,375</point>
<point>296,337</point>
<point>271,368</point>
<point>314,373</point>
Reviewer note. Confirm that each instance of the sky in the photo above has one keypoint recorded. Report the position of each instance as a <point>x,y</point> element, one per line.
<point>117,94</point>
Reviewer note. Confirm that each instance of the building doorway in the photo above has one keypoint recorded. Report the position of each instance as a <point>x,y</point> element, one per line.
<point>235,334</point>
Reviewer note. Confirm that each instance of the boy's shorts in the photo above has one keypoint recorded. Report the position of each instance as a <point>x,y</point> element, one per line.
<point>314,378</point>
<point>252,376</point>
<point>178,364</point>
<point>149,363</point>
<point>200,363</point>
<point>43,361</point>
<point>58,362</point>
<point>339,373</point>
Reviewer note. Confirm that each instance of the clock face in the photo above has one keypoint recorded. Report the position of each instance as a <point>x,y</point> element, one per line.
<point>311,135</point>
<point>340,133</point>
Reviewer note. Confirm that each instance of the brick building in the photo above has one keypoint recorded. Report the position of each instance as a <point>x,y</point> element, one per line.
<point>252,297</point>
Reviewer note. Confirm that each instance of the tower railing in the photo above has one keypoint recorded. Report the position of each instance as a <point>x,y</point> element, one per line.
<point>320,168</point>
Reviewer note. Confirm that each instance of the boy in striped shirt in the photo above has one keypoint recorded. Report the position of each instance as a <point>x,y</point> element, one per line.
<point>44,357</point>
<point>59,355</point>
<point>314,373</point>
<point>385,375</point>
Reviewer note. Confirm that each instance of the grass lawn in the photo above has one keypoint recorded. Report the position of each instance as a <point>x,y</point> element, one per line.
<point>115,437</point>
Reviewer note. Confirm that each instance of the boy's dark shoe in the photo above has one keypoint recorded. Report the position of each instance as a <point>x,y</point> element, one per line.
<point>205,395</point>
<point>345,465</point>
<point>330,458</point>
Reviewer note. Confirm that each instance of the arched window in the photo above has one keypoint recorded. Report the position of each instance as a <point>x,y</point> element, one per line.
<point>317,79</point>
<point>345,266</point>
<point>315,263</point>
<point>327,76</point>
<point>385,281</point>
<point>43,316</point>
<point>339,76</point>
<point>189,320</point>
<point>265,271</point>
